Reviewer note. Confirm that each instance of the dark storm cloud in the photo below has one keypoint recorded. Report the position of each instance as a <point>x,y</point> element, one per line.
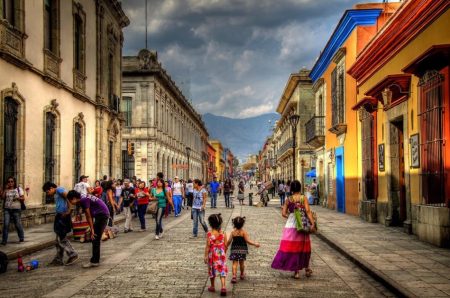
<point>234,55</point>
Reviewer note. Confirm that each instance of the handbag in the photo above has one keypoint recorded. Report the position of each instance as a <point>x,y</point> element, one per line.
<point>302,222</point>
<point>153,207</point>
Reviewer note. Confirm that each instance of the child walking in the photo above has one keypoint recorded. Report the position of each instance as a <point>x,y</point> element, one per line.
<point>239,239</point>
<point>215,253</point>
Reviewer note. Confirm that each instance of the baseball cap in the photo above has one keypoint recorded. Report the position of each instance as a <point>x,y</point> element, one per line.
<point>83,176</point>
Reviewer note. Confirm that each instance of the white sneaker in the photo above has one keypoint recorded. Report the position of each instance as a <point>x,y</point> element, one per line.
<point>161,234</point>
<point>90,265</point>
<point>156,237</point>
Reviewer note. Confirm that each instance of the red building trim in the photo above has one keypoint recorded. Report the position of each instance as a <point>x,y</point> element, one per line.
<point>411,19</point>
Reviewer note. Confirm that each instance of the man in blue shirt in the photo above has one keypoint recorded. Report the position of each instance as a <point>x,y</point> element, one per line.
<point>214,187</point>
<point>62,225</point>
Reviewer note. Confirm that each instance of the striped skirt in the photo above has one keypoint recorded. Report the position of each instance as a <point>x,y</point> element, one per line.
<point>295,248</point>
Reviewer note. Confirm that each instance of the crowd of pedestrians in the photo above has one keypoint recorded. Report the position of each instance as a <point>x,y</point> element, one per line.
<point>161,197</point>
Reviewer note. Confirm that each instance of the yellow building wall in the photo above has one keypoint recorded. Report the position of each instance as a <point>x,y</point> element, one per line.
<point>436,33</point>
<point>350,139</point>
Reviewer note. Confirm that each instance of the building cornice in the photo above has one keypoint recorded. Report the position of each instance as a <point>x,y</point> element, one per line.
<point>349,21</point>
<point>118,12</point>
<point>292,83</point>
<point>409,21</point>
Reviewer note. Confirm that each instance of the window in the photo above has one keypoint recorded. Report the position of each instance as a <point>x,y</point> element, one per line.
<point>337,95</point>
<point>50,140</point>
<point>111,158</point>
<point>51,28</point>
<point>431,92</point>
<point>78,141</point>
<point>78,39</point>
<point>9,11</point>
<point>128,164</point>
<point>127,110</point>
<point>10,142</point>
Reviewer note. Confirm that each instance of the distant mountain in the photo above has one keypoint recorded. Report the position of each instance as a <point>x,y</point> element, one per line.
<point>243,136</point>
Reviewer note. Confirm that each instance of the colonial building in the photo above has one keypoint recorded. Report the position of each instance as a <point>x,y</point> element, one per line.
<point>162,131</point>
<point>220,162</point>
<point>403,101</point>
<point>332,131</point>
<point>60,82</point>
<point>211,162</point>
<point>297,99</point>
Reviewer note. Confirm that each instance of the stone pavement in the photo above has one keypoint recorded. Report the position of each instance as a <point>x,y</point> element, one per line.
<point>415,268</point>
<point>137,265</point>
<point>36,238</point>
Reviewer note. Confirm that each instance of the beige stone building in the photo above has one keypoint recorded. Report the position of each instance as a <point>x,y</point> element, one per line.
<point>162,131</point>
<point>60,83</point>
<point>298,99</point>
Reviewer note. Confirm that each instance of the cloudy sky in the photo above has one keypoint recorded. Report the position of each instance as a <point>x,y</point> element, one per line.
<point>233,57</point>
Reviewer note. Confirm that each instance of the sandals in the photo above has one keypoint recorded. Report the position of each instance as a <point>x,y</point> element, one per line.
<point>296,275</point>
<point>211,289</point>
<point>242,277</point>
<point>309,272</point>
<point>234,280</point>
<point>223,292</point>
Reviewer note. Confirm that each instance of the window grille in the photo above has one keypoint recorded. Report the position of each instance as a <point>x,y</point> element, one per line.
<point>50,137</point>
<point>432,139</point>
<point>10,138</point>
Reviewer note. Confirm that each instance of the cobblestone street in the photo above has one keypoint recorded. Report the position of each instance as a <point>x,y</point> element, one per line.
<point>137,265</point>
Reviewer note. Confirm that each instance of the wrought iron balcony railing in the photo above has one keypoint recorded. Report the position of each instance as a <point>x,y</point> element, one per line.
<point>315,131</point>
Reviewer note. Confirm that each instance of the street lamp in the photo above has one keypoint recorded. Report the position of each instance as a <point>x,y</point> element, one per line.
<point>293,121</point>
<point>188,154</point>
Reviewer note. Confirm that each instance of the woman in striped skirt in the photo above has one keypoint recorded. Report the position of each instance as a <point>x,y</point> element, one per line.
<point>295,247</point>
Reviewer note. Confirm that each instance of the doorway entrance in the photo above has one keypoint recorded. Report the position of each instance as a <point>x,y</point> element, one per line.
<point>397,177</point>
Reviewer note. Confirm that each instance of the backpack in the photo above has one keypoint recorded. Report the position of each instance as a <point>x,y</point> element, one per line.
<point>3,262</point>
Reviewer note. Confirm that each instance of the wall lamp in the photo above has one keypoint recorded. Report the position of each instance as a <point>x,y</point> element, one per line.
<point>387,93</point>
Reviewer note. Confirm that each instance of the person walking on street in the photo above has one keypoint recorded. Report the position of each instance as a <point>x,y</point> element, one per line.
<point>314,190</point>
<point>127,200</point>
<point>12,197</point>
<point>189,193</point>
<point>216,253</point>
<point>97,215</point>
<point>198,207</point>
<point>178,195</point>
<point>281,192</point>
<point>241,189</point>
<point>215,187</point>
<point>295,247</point>
<point>238,240</point>
<point>108,199</point>
<point>62,224</point>
<point>82,186</point>
<point>160,194</point>
<point>227,191</point>
<point>142,197</point>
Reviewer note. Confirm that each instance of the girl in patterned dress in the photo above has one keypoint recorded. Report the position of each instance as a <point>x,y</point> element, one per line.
<point>215,253</point>
<point>239,239</point>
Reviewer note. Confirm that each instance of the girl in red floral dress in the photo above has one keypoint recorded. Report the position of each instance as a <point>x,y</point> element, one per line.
<point>215,253</point>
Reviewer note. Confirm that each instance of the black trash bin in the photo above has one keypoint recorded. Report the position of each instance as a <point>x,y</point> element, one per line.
<point>250,199</point>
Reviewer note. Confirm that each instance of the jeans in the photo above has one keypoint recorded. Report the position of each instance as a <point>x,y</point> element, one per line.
<point>127,213</point>
<point>142,209</point>
<point>213,199</point>
<point>111,215</point>
<point>227,199</point>
<point>63,245</point>
<point>15,215</point>
<point>99,227</point>
<point>199,215</point>
<point>177,200</point>
<point>282,197</point>
<point>159,217</point>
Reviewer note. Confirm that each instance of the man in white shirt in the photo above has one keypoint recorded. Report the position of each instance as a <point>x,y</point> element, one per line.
<point>177,195</point>
<point>82,186</point>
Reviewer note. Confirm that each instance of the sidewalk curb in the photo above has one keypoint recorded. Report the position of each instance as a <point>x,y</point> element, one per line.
<point>40,246</point>
<point>387,282</point>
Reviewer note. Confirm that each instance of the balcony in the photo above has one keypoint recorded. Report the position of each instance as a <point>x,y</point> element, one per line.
<point>114,103</point>
<point>285,147</point>
<point>12,44</point>
<point>315,131</point>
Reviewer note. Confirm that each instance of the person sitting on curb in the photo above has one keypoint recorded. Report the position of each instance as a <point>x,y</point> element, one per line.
<point>62,224</point>
<point>97,215</point>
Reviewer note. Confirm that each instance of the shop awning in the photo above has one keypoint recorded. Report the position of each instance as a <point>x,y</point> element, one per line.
<point>311,174</point>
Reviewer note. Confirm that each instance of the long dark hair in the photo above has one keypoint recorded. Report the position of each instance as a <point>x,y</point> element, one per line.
<point>13,179</point>
<point>296,186</point>
<point>163,185</point>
